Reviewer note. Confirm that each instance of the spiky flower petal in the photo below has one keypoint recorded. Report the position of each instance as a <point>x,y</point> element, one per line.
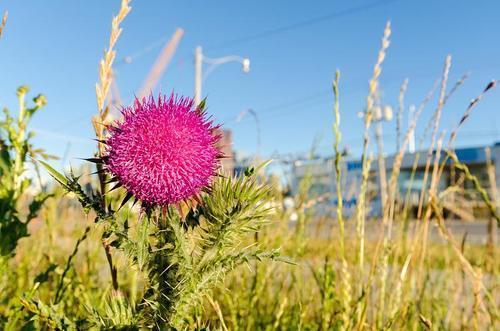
<point>162,151</point>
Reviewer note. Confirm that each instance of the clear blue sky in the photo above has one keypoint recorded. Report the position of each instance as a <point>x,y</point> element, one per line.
<point>54,47</point>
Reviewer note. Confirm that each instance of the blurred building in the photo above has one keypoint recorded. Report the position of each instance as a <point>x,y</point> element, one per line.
<point>318,175</point>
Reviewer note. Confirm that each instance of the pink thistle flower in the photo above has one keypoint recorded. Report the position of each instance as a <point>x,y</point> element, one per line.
<point>162,151</point>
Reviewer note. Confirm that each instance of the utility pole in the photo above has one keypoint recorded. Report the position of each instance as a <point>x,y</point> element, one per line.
<point>199,76</point>
<point>411,118</point>
<point>198,61</point>
<point>257,128</point>
<point>384,113</point>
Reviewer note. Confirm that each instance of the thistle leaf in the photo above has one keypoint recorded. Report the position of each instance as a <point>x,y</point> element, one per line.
<point>97,160</point>
<point>115,187</point>
<point>54,173</point>
<point>125,200</point>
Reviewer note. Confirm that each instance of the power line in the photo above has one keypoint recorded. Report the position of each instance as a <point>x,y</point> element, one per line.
<point>263,34</point>
<point>300,24</point>
<point>299,101</point>
<point>275,109</point>
<point>267,33</point>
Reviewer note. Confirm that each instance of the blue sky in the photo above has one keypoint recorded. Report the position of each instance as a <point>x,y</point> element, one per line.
<point>54,47</point>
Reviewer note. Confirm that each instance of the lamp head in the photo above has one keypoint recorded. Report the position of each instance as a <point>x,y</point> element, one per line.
<point>388,113</point>
<point>245,65</point>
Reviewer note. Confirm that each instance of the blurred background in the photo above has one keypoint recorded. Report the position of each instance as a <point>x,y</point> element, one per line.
<point>293,48</point>
<point>381,240</point>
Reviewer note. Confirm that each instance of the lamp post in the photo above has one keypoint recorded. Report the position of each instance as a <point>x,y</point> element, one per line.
<point>257,126</point>
<point>199,76</point>
<point>411,118</point>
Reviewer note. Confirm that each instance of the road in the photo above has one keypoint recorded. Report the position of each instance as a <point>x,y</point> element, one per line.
<point>477,231</point>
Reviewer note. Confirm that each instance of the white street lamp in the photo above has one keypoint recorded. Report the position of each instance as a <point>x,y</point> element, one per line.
<point>257,126</point>
<point>199,76</point>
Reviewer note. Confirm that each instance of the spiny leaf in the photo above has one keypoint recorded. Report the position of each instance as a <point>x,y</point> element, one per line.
<point>135,201</point>
<point>201,106</point>
<point>54,173</point>
<point>99,172</point>
<point>112,180</point>
<point>263,165</point>
<point>105,142</point>
<point>127,198</point>
<point>115,187</point>
<point>97,160</point>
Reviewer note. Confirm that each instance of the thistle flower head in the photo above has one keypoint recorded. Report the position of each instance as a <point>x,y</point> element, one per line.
<point>162,151</point>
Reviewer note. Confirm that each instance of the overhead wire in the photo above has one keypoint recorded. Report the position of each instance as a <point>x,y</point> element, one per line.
<point>266,33</point>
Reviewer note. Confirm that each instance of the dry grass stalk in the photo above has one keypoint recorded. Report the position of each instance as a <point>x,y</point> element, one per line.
<point>99,120</point>
<point>338,157</point>
<point>388,209</point>
<point>431,121</point>
<point>432,193</point>
<point>370,100</point>
<point>434,198</point>
<point>492,231</point>
<point>421,107</point>
<point>388,215</point>
<point>424,135</point>
<point>106,70</point>
<point>455,87</point>
<point>395,300</point>
<point>477,185</point>
<point>436,120</point>
<point>4,22</point>
<point>365,161</point>
<point>433,207</point>
<point>344,271</point>
<point>474,274</point>
<point>218,311</point>
<point>474,102</point>
<point>476,289</point>
<point>279,314</point>
<point>435,178</point>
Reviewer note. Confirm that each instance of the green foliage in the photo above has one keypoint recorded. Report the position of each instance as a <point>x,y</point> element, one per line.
<point>51,316</point>
<point>15,147</point>
<point>180,256</point>
<point>117,313</point>
<point>187,260</point>
<point>209,263</point>
<point>71,185</point>
<point>329,303</point>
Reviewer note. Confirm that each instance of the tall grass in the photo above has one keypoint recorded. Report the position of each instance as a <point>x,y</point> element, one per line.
<point>18,208</point>
<point>200,265</point>
<point>4,22</point>
<point>101,119</point>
